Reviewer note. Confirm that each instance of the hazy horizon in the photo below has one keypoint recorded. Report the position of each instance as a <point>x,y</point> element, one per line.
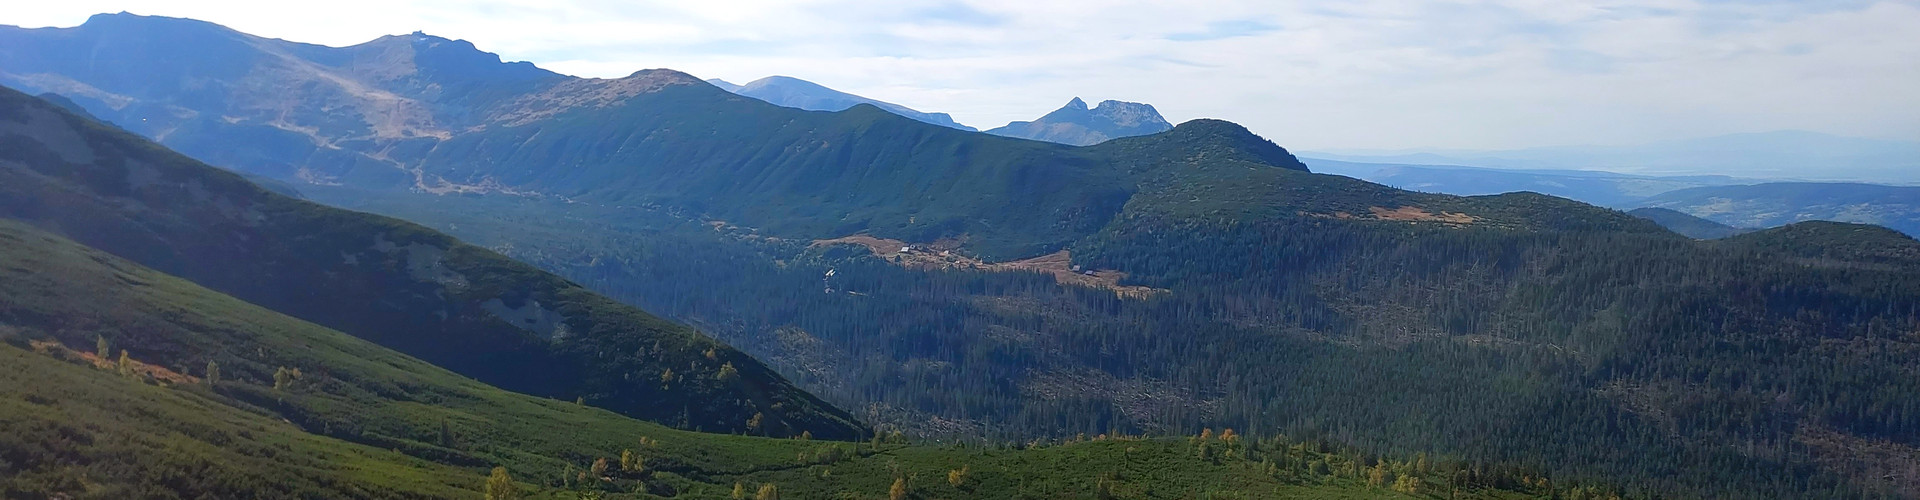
<point>1382,75</point>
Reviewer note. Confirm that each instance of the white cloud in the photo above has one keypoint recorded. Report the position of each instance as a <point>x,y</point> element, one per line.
<point>1366,74</point>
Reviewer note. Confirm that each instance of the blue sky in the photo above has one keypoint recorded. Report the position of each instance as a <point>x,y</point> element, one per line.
<point>1312,75</point>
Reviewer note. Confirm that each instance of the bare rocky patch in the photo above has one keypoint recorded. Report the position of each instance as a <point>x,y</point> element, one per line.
<point>943,255</point>
<point>529,316</point>
<point>588,93</point>
<point>1401,214</point>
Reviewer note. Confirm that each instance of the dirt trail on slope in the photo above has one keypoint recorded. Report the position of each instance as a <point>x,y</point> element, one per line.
<point>149,371</point>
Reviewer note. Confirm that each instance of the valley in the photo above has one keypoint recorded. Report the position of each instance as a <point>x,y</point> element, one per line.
<point>213,396</point>
<point>405,263</point>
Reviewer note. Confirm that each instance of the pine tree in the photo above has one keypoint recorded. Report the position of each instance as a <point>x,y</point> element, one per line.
<point>213,372</point>
<point>768,492</point>
<point>101,348</point>
<point>957,477</point>
<point>126,364</point>
<point>500,486</point>
<point>899,489</point>
<point>739,491</point>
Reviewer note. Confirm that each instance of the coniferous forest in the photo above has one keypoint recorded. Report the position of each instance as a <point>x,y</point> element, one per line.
<point>1389,336</point>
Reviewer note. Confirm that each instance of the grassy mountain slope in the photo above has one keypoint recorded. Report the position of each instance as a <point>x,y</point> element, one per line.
<point>388,281</point>
<point>362,421</point>
<point>1693,227</point>
<point>76,430</point>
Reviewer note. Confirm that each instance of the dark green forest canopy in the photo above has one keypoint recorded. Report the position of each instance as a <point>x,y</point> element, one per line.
<point>1592,349</point>
<point>212,397</point>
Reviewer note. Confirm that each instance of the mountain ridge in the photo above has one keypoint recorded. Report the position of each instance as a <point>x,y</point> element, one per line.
<point>793,92</point>
<point>1777,204</point>
<point>1686,224</point>
<point>1077,125</point>
<point>1777,155</point>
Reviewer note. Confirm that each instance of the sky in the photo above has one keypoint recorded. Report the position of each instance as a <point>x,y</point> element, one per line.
<point>1333,75</point>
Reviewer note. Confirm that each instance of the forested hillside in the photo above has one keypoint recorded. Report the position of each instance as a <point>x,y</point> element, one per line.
<point>1592,350</point>
<point>124,382</point>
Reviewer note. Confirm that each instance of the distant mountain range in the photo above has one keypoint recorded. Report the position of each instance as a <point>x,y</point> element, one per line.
<point>435,115</point>
<point>1781,203</point>
<point>1076,125</point>
<point>1608,189</point>
<point>1686,224</point>
<point>796,93</point>
<point>1735,202</point>
<point>1775,155</point>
